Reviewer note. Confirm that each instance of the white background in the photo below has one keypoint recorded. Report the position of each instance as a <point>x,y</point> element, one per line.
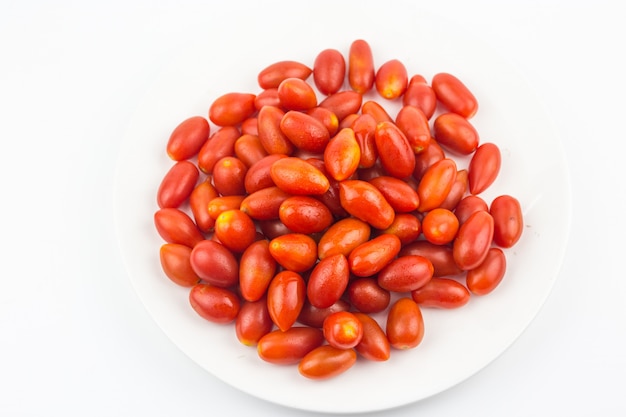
<point>75,339</point>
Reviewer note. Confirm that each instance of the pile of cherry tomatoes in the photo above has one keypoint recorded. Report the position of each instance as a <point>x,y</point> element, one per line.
<point>310,206</point>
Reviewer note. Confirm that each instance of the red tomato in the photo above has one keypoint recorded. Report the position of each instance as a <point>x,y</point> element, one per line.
<point>439,255</point>
<point>406,273</point>
<point>215,304</point>
<point>285,298</point>
<point>374,344</point>
<point>176,265</point>
<point>342,237</point>
<point>253,322</point>
<point>436,184</point>
<point>367,296</point>
<point>473,240</point>
<point>229,175</point>
<point>329,71</point>
<point>326,362</point>
<point>362,200</point>
<point>272,75</point>
<point>256,270</point>
<point>232,109</point>
<point>391,79</point>
<point>361,72</point>
<point>484,167</point>
<point>294,251</point>
<point>177,184</point>
<point>314,317</point>
<point>215,264</point>
<point>455,133</point>
<point>441,293</point>
<point>272,138</point>
<point>394,150</point>
<point>235,230</point>
<point>440,226</point>
<point>342,330</point>
<point>342,155</point>
<point>414,124</point>
<point>328,281</point>
<point>421,95</point>
<point>199,200</point>
<point>508,220</point>
<point>290,346</point>
<point>370,257</point>
<point>187,138</point>
<point>469,205</point>
<point>296,94</point>
<point>405,324</point>
<point>175,226</point>
<point>454,95</point>
<point>487,276</point>
<point>219,145</point>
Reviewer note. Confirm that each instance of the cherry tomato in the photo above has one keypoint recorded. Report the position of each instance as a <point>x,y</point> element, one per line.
<point>296,176</point>
<point>473,240</point>
<point>272,138</point>
<point>436,184</point>
<point>454,95</point>
<point>484,167</point>
<point>440,226</point>
<point>362,200</point>
<point>414,124</point>
<point>294,251</point>
<point>439,255</point>
<point>398,193</point>
<point>296,94</point>
<point>304,131</point>
<point>394,150</point>
<point>406,226</point>
<point>177,184</point>
<point>235,230</point>
<point>367,296</point>
<point>257,268</point>
<point>264,204</point>
<point>219,145</point>
<point>372,256</point>
<point>406,273</point>
<point>258,175</point>
<point>272,75</point>
<point>469,205</point>
<point>374,344</point>
<point>342,237</point>
<point>342,155</point>
<point>329,71</point>
<point>361,72</point>
<point>405,324</point>
<point>253,322</point>
<point>187,138</point>
<point>215,264</point>
<point>456,133</point>
<point>176,265</point>
<point>267,97</point>
<point>326,362</point>
<point>487,276</point>
<point>199,200</point>
<point>342,330</point>
<point>218,205</point>
<point>441,293</point>
<point>328,281</point>
<point>290,346</point>
<point>285,298</point>
<point>232,108</point>
<point>218,305</point>
<point>343,103</point>
<point>314,317</point>
<point>421,95</point>
<point>391,79</point>
<point>175,226</point>
<point>378,112</point>
<point>229,175</point>
<point>304,214</point>
<point>508,220</point>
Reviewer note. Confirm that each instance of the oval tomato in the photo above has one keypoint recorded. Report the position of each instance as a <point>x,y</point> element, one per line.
<point>483,167</point>
<point>405,324</point>
<point>329,71</point>
<point>218,305</point>
<point>508,220</point>
<point>215,264</point>
<point>473,240</point>
<point>441,293</point>
<point>487,276</point>
<point>285,298</point>
<point>177,184</point>
<point>187,138</point>
<point>326,362</point>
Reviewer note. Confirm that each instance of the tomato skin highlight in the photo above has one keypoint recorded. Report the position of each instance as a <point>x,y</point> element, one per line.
<point>290,346</point>
<point>326,362</point>
<point>508,220</point>
<point>443,293</point>
<point>215,304</point>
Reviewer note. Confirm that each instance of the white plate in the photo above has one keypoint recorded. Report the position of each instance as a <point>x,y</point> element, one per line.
<point>457,344</point>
